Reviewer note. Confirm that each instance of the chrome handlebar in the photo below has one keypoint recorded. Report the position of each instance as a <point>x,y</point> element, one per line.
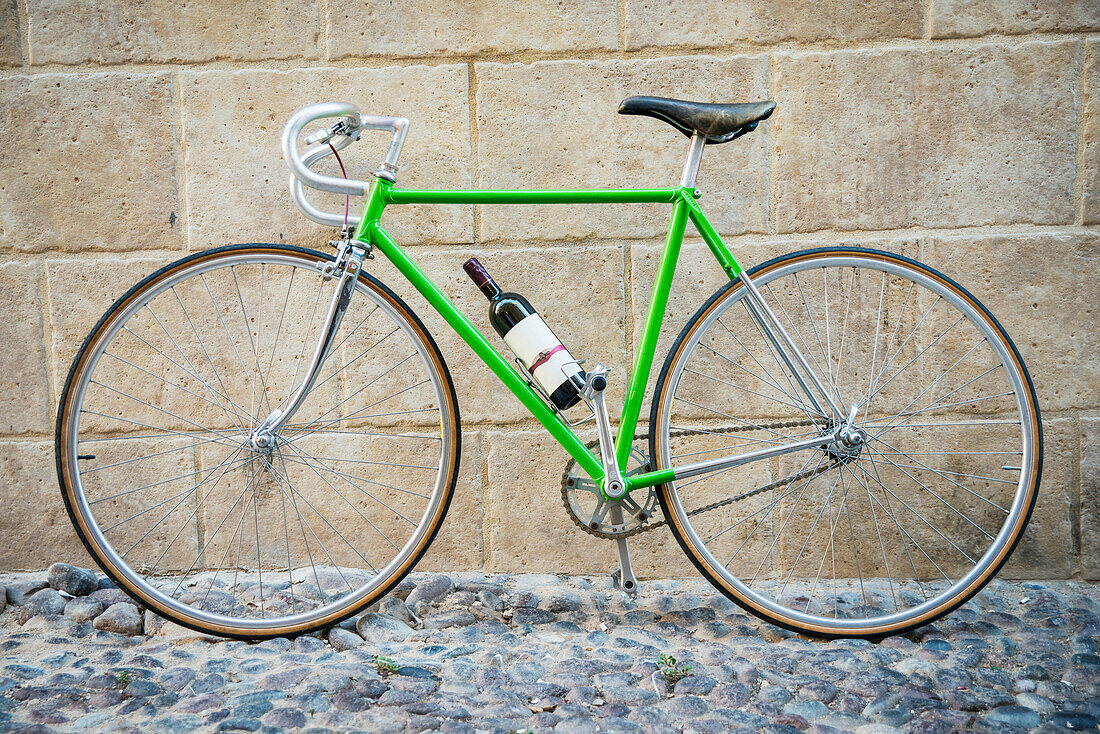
<point>342,134</point>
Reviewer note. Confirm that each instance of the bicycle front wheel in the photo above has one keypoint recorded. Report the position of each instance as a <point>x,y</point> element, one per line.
<point>839,540</point>
<point>172,498</point>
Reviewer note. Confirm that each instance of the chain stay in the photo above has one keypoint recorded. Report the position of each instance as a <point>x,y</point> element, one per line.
<point>699,510</point>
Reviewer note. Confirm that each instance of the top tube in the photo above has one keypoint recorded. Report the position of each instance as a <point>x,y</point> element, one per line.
<point>392,195</point>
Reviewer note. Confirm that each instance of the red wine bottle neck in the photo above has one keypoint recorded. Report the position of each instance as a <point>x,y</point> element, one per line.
<point>491,290</point>
<point>482,279</point>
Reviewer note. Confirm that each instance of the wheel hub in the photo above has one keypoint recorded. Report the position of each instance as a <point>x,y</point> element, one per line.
<point>849,441</point>
<point>263,442</point>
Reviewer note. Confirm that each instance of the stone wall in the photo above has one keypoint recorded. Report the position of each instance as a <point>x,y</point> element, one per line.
<point>965,131</point>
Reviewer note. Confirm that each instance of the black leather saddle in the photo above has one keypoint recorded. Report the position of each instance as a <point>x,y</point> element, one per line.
<point>718,123</point>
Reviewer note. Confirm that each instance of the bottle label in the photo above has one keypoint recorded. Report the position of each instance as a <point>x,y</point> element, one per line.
<point>547,359</point>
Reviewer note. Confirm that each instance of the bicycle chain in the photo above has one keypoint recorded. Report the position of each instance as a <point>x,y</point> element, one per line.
<point>699,510</point>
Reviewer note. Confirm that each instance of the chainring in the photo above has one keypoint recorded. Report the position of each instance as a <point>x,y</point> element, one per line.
<point>595,515</point>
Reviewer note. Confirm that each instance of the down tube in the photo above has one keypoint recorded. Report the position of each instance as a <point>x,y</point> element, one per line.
<point>462,326</point>
<point>644,363</point>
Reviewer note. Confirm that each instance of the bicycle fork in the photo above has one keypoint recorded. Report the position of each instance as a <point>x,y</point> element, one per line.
<point>345,267</point>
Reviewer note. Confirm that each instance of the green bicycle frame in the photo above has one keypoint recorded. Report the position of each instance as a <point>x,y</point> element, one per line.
<point>684,208</point>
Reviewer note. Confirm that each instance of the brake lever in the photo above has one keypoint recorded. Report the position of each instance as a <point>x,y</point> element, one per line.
<point>345,126</point>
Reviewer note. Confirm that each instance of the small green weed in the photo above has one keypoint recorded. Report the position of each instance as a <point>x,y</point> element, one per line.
<point>385,666</point>
<point>123,677</point>
<point>672,670</point>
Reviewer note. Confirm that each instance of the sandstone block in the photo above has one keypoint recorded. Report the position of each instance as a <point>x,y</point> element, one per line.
<point>237,180</point>
<point>651,23</point>
<point>1090,498</point>
<point>460,545</point>
<point>956,143</point>
<point>697,277</point>
<point>529,531</point>
<point>34,524</point>
<point>10,53</point>
<point>25,405</point>
<point>80,291</point>
<point>960,18</point>
<point>106,183</point>
<point>578,290</point>
<point>570,137</point>
<point>1035,286</point>
<point>1046,549</point>
<point>68,32</point>
<point>427,27</point>
<point>1090,133</point>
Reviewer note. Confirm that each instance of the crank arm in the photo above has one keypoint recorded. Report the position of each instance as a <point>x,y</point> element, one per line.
<point>623,576</point>
<point>614,486</point>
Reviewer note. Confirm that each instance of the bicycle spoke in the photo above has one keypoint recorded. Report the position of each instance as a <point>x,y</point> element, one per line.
<point>175,385</point>
<point>128,330</point>
<point>337,532</point>
<point>148,486</point>
<point>157,408</point>
<point>244,370</point>
<point>94,469</point>
<point>893,520</point>
<point>264,403</point>
<point>934,471</point>
<point>205,520</point>
<point>907,535</point>
<point>353,481</point>
<point>194,372</point>
<point>808,410</point>
<point>209,360</point>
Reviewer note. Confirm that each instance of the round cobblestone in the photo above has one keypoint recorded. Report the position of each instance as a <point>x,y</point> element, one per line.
<point>471,652</point>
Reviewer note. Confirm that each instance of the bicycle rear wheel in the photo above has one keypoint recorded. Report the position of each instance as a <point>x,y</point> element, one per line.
<point>838,541</point>
<point>172,499</point>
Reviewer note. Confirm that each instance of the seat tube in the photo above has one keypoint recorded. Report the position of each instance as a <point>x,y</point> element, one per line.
<point>644,362</point>
<point>657,304</point>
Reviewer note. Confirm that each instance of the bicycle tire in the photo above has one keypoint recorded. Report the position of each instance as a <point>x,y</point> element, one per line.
<point>757,602</point>
<point>328,611</point>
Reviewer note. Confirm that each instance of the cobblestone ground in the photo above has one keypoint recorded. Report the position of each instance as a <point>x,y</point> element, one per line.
<point>469,652</point>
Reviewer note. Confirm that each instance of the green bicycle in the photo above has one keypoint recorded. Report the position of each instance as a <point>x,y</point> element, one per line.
<point>262,440</point>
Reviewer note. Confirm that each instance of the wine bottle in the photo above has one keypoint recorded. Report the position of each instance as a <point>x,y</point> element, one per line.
<point>527,335</point>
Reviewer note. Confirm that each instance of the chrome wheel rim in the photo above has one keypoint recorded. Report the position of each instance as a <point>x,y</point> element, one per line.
<point>292,446</point>
<point>935,597</point>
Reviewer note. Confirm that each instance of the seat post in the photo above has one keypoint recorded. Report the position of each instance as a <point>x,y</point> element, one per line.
<point>691,165</point>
